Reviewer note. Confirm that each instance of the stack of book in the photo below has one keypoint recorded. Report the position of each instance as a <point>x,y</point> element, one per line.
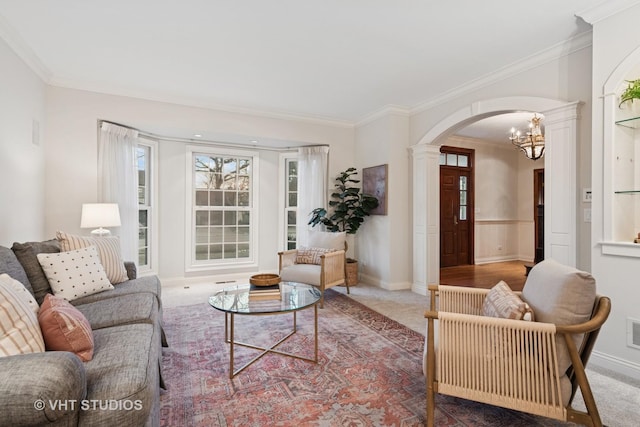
<point>261,293</point>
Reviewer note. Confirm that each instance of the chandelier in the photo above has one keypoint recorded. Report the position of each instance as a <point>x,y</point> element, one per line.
<point>532,142</point>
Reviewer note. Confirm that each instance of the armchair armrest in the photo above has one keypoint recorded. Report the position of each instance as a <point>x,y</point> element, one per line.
<point>286,258</point>
<point>132,271</point>
<point>333,268</point>
<point>54,379</point>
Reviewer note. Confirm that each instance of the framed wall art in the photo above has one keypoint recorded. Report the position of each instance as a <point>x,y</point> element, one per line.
<point>374,182</point>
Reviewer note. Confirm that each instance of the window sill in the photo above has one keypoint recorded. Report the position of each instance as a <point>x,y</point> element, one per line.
<point>620,249</point>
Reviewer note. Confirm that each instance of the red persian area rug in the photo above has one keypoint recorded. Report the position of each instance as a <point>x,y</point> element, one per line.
<point>369,373</point>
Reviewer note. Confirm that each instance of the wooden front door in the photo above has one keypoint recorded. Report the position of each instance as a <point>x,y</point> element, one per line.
<point>456,208</point>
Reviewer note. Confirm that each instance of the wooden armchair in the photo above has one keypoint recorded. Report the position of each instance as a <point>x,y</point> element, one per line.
<point>323,266</point>
<point>530,366</point>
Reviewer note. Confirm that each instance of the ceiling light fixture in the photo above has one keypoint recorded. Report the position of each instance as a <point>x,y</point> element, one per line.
<point>531,143</point>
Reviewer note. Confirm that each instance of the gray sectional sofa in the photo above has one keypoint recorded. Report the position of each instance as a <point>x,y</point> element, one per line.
<point>120,386</point>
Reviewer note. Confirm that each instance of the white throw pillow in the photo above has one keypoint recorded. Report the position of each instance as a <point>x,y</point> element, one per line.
<point>19,329</point>
<point>327,240</point>
<point>75,274</point>
<point>108,250</point>
<point>19,288</point>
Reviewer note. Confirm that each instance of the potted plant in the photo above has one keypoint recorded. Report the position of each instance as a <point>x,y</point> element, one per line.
<point>631,92</point>
<point>348,208</point>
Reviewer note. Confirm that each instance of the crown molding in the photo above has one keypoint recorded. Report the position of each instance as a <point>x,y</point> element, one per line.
<point>387,110</point>
<point>24,52</point>
<point>605,9</point>
<point>557,51</point>
<point>198,103</point>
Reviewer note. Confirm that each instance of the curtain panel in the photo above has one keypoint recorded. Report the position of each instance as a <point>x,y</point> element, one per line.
<point>118,181</point>
<point>312,187</point>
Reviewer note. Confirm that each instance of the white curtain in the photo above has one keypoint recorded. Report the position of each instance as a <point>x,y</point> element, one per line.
<point>118,181</point>
<point>312,187</point>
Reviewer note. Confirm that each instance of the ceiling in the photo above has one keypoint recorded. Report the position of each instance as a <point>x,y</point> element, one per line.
<point>332,59</point>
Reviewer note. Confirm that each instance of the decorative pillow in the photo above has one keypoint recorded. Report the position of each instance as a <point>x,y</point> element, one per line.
<point>310,255</point>
<point>502,302</point>
<point>20,289</point>
<point>27,255</point>
<point>65,328</point>
<point>108,249</point>
<point>19,329</point>
<point>327,240</point>
<point>75,274</point>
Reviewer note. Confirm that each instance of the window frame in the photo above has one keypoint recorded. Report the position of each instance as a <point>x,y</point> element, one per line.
<point>151,207</point>
<point>191,263</point>
<point>283,194</point>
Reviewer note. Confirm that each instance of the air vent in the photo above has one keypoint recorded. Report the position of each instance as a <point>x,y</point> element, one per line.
<point>633,333</point>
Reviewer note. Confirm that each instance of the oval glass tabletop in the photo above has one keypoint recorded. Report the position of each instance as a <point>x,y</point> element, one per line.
<point>293,297</point>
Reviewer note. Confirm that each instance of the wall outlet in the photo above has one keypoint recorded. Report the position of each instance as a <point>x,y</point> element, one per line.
<point>499,247</point>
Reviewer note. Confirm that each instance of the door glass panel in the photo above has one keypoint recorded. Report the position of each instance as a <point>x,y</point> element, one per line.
<point>463,160</point>
<point>452,159</point>
<point>463,183</point>
<point>463,213</point>
<point>463,198</point>
<point>443,159</point>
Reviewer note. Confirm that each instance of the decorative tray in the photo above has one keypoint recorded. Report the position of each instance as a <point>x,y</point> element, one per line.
<point>264,279</point>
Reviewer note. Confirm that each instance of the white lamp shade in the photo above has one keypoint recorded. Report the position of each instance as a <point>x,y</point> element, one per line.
<point>100,215</point>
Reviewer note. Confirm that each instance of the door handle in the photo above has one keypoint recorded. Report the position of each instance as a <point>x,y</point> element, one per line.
<point>455,219</point>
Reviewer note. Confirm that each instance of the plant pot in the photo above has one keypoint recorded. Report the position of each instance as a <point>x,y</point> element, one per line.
<point>351,272</point>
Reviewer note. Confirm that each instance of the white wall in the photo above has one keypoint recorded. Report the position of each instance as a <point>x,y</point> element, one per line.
<point>614,39</point>
<point>383,242</point>
<point>22,166</point>
<point>71,173</point>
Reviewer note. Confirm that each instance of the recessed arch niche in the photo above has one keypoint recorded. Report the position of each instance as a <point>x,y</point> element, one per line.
<point>560,162</point>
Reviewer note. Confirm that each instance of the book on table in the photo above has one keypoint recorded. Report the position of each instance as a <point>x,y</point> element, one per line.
<point>264,292</point>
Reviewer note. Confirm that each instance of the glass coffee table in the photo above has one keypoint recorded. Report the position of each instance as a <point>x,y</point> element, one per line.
<point>294,297</point>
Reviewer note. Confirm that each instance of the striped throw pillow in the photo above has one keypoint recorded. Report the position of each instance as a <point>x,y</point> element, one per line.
<point>310,255</point>
<point>19,288</point>
<point>108,250</point>
<point>19,329</point>
<point>75,274</point>
<point>502,302</point>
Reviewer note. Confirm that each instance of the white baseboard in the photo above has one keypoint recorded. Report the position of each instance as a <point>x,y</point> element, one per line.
<point>490,260</point>
<point>391,286</point>
<point>210,279</point>
<point>615,364</point>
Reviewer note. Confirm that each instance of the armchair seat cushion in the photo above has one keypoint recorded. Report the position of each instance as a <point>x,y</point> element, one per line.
<point>301,273</point>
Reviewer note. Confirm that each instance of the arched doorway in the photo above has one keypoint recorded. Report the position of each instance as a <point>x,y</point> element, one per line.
<point>560,166</point>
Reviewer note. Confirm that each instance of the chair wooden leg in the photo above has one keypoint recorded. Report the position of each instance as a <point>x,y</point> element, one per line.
<point>346,283</point>
<point>322,295</point>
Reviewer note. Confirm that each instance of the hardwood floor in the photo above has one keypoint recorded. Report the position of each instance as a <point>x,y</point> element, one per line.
<point>485,275</point>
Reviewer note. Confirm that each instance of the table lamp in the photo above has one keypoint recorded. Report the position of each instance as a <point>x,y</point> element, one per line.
<point>100,215</point>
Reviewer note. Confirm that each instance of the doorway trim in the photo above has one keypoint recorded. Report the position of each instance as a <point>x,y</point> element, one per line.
<point>560,161</point>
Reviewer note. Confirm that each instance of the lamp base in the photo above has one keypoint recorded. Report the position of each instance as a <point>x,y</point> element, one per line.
<point>100,232</point>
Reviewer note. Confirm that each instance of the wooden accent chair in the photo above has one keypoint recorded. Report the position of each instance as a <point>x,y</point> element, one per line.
<point>320,264</point>
<point>530,366</point>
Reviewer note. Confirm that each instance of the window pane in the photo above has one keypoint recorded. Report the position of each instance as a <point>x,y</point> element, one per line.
<point>463,198</point>
<point>452,159</point>
<point>230,198</point>
<point>230,218</point>
<point>243,234</point>
<point>202,252</point>
<point>293,199</point>
<point>243,183</point>
<point>202,234</point>
<point>243,198</point>
<point>215,235</point>
<point>243,250</point>
<point>291,217</point>
<point>243,218</point>
<point>244,167</point>
<point>202,198</point>
<point>216,218</point>
<point>230,234</point>
<point>291,234</point>
<point>230,251</point>
<point>142,238</point>
<point>142,218</point>
<point>202,218</point>
<point>143,257</point>
<point>443,159</point>
<point>463,183</point>
<point>463,160</point>
<point>216,198</point>
<point>216,251</point>
<point>293,183</point>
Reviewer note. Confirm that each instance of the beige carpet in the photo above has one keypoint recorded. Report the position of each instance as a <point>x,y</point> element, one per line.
<point>617,397</point>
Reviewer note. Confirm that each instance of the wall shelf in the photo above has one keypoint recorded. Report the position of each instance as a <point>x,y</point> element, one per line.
<point>631,122</point>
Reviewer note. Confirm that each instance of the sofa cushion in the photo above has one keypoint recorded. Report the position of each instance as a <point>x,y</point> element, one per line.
<point>124,371</point>
<point>108,250</point>
<point>10,265</point>
<point>310,255</point>
<point>561,295</point>
<point>121,310</point>
<point>502,302</point>
<point>327,240</point>
<point>64,328</point>
<point>19,329</point>
<point>150,284</point>
<point>27,255</point>
<point>75,273</point>
<point>301,273</point>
